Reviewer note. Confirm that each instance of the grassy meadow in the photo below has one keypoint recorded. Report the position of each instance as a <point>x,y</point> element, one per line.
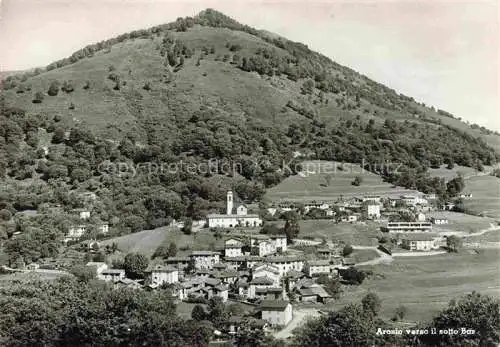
<point>313,185</point>
<point>485,195</point>
<point>426,284</point>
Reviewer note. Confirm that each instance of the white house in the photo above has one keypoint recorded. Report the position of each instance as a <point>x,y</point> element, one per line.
<point>280,242</point>
<point>276,312</point>
<point>205,259</point>
<point>232,220</point>
<point>160,274</point>
<point>418,242</point>
<point>267,270</point>
<point>421,217</point>
<point>372,198</point>
<point>399,227</point>
<point>76,231</point>
<point>317,267</point>
<point>233,248</point>
<point>439,220</point>
<point>112,275</point>
<point>103,228</point>
<point>373,211</point>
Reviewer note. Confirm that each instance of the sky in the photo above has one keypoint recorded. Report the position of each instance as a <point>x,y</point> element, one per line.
<point>445,53</point>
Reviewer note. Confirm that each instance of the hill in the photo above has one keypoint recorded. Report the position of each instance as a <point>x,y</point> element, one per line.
<point>160,122</point>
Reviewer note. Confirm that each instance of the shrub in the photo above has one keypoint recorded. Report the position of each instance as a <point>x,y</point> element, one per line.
<point>38,98</point>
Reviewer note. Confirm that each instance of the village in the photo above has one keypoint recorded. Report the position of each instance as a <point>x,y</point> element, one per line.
<point>273,273</point>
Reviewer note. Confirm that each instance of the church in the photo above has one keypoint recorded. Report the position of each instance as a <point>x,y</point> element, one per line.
<point>232,218</point>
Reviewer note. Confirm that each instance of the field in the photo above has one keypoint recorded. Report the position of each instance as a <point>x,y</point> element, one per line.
<point>147,241</point>
<point>449,174</point>
<point>312,184</point>
<point>354,234</point>
<point>485,195</point>
<point>426,284</point>
<point>461,222</point>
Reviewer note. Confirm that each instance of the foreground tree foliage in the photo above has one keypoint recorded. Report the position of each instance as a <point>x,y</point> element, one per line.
<point>474,311</point>
<point>71,313</point>
<point>357,325</point>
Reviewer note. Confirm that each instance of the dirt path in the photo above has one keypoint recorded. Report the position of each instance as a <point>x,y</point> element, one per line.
<point>465,234</point>
<point>299,317</point>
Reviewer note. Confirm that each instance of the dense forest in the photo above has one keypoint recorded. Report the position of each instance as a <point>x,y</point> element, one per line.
<point>47,159</point>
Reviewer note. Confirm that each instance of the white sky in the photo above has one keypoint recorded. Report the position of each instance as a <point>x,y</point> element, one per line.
<point>445,53</point>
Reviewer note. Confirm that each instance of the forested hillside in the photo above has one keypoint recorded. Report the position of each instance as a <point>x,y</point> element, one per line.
<point>198,90</point>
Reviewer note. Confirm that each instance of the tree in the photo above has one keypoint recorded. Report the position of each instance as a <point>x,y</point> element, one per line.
<point>307,86</point>
<point>331,285</point>
<point>135,264</point>
<point>83,273</point>
<point>291,229</point>
<point>474,311</point>
<point>66,312</point>
<point>371,303</point>
<point>198,313</point>
<point>353,276</point>
<point>67,87</point>
<point>53,88</point>
<point>188,226</point>
<point>357,181</point>
<point>172,249</point>
<point>38,98</point>
<point>400,313</point>
<point>217,313</point>
<point>454,243</point>
<point>347,250</point>
<point>350,326</point>
<point>328,179</point>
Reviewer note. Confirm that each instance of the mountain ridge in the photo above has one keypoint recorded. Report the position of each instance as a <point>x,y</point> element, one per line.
<point>209,88</point>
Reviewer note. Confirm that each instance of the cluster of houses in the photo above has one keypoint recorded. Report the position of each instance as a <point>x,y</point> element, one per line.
<point>77,230</point>
<point>258,270</point>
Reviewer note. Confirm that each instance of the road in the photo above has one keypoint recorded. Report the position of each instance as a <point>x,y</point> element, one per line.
<point>383,258</point>
<point>299,318</point>
<point>465,234</point>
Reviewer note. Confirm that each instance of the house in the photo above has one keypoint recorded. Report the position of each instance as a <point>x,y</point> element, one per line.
<point>286,263</point>
<point>204,259</point>
<point>261,245</point>
<point>324,253</point>
<point>312,205</point>
<point>98,266</point>
<point>82,213</point>
<point>233,248</point>
<point>178,262</point>
<point>160,274</point>
<point>280,243</point>
<point>317,267</point>
<point>439,220</point>
<point>272,211</point>
<point>314,293</point>
<point>103,228</point>
<point>222,291</point>
<point>267,270</point>
<point>276,312</point>
<point>418,242</point>
<point>373,210</point>
<point>76,231</point>
<point>32,266</point>
<point>350,218</point>
<point>372,198</point>
<point>231,219</point>
<point>234,324</point>
<point>112,275</point>
<point>421,217</point>
<point>292,277</point>
<point>400,227</point>
<point>270,293</point>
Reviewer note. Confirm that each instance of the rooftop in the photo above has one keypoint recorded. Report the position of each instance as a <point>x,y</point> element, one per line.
<point>273,305</point>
